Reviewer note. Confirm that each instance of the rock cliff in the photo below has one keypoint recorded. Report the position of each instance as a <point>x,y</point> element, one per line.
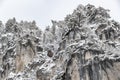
<point>83,46</point>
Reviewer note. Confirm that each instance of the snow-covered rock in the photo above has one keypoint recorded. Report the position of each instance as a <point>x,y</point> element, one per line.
<point>83,46</point>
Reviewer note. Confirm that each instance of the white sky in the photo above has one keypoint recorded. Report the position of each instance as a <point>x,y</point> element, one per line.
<point>42,11</point>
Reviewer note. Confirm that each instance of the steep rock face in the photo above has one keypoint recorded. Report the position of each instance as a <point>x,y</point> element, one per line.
<point>84,46</point>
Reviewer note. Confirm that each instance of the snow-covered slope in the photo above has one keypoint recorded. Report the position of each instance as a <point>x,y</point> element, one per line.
<point>84,46</point>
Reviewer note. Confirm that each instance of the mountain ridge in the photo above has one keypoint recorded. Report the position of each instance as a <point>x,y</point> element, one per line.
<point>83,46</point>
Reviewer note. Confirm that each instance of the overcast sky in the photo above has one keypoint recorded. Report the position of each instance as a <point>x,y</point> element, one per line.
<point>43,11</point>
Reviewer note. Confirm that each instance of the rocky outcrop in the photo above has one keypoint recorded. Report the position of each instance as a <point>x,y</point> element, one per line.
<point>83,46</point>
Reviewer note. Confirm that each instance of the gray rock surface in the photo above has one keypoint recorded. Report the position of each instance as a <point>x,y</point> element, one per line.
<point>83,46</point>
